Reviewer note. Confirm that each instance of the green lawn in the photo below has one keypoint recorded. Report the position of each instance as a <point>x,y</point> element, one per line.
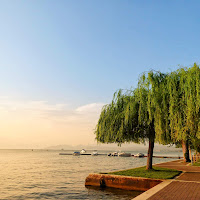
<point>156,172</point>
<point>197,163</point>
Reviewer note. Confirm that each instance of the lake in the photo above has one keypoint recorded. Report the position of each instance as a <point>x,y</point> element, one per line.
<point>42,174</point>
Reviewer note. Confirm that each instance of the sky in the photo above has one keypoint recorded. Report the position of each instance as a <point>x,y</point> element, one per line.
<point>61,61</point>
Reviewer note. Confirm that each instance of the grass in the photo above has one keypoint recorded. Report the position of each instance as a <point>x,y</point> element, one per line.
<point>156,173</point>
<point>197,163</point>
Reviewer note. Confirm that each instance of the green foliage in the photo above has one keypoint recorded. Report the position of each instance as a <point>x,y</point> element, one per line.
<point>195,144</point>
<point>118,122</point>
<point>157,104</point>
<point>163,107</point>
<point>156,172</point>
<point>135,116</point>
<point>184,103</point>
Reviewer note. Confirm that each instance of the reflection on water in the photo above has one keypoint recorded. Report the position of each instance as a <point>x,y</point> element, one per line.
<point>40,174</point>
<point>111,193</point>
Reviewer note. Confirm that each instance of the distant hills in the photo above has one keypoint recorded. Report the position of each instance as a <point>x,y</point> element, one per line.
<point>114,147</point>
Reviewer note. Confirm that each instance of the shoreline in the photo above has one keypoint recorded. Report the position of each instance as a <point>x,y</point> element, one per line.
<point>123,182</point>
<point>155,188</point>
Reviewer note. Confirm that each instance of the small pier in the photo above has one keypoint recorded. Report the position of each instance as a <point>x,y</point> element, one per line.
<point>82,154</point>
<point>104,154</point>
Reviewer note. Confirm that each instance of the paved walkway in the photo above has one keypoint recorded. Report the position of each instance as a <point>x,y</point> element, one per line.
<point>179,165</point>
<point>178,190</point>
<point>184,187</point>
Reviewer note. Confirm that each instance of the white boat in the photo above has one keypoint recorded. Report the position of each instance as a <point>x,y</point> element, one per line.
<point>76,153</point>
<point>139,155</point>
<point>94,153</point>
<point>83,151</point>
<point>123,154</point>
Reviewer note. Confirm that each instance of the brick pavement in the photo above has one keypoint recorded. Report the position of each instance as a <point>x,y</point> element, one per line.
<point>189,176</point>
<point>178,190</point>
<point>179,165</point>
<point>184,187</point>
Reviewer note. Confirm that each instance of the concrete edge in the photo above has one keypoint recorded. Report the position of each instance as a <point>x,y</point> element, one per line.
<point>121,182</point>
<point>176,178</point>
<point>187,181</point>
<point>153,190</point>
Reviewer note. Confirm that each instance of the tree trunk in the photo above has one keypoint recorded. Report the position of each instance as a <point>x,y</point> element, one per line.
<point>186,156</point>
<point>190,151</point>
<point>150,155</point>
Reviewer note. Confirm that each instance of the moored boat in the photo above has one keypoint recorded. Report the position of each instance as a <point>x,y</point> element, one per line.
<point>139,155</point>
<point>76,153</point>
<point>123,154</point>
<point>83,151</point>
<point>114,154</point>
<point>94,153</point>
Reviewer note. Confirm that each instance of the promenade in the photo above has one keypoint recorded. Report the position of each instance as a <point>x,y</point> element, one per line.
<point>184,187</point>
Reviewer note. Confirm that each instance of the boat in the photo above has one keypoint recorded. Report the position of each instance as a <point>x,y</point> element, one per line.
<point>94,153</point>
<point>123,154</point>
<point>139,155</point>
<point>83,151</point>
<point>114,154</point>
<point>76,153</point>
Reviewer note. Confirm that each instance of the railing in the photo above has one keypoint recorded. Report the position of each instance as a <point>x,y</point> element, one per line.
<point>195,158</point>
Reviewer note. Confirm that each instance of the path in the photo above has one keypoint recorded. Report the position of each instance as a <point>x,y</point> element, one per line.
<point>184,187</point>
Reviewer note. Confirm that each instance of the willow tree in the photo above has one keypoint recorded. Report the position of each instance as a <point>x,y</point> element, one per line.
<point>155,109</point>
<point>135,116</point>
<point>184,106</point>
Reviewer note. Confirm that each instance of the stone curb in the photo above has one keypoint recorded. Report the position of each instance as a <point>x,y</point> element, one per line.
<point>121,182</point>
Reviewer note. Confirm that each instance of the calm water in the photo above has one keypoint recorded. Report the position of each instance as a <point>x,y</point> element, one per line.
<point>40,174</point>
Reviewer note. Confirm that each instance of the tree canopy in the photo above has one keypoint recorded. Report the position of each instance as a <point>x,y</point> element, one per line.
<point>164,107</point>
<point>134,116</point>
<point>131,114</point>
<point>184,103</point>
<point>184,107</point>
<point>118,122</point>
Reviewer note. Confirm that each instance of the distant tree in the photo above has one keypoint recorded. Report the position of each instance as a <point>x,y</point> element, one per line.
<point>184,106</point>
<point>195,145</point>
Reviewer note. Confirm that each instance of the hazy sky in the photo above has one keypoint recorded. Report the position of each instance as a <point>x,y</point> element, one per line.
<point>61,61</point>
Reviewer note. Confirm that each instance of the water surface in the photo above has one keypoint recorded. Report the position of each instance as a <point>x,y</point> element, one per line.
<point>41,174</point>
